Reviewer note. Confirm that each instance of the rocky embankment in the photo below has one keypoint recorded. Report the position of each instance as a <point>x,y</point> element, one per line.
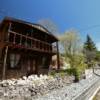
<point>44,88</point>
<point>72,91</point>
<point>32,87</point>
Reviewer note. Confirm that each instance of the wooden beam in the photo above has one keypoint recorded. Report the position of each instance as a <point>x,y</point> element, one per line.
<point>4,63</point>
<point>9,29</point>
<point>58,62</point>
<point>6,52</point>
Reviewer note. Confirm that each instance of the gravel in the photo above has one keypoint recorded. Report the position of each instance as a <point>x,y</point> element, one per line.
<point>44,88</point>
<point>70,92</point>
<point>32,87</point>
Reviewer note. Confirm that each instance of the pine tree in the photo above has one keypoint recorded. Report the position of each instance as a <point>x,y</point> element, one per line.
<point>89,44</point>
<point>90,51</point>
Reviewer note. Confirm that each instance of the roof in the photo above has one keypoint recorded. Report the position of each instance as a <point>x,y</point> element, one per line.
<point>37,26</point>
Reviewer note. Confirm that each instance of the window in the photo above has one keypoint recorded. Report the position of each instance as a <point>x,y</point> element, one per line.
<point>29,42</point>
<point>17,39</point>
<point>45,62</point>
<point>23,41</point>
<point>14,60</point>
<point>11,37</point>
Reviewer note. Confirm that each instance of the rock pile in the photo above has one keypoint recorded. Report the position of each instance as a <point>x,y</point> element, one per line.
<point>70,92</point>
<point>29,88</point>
<point>44,88</point>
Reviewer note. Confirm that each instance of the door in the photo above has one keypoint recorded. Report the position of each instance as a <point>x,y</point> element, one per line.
<point>31,66</point>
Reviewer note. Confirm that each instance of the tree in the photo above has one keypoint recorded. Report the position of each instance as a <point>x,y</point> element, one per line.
<point>89,44</point>
<point>70,43</point>
<point>98,56</point>
<point>72,49</point>
<point>90,51</point>
<point>50,25</point>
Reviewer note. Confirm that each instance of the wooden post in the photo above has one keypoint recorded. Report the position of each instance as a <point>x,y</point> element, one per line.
<point>20,39</point>
<point>36,65</point>
<point>4,63</point>
<point>9,29</point>
<point>58,63</point>
<point>6,52</point>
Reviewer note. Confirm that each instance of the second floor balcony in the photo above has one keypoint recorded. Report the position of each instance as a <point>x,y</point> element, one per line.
<point>24,41</point>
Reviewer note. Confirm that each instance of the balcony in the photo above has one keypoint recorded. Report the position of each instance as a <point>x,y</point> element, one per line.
<point>27,42</point>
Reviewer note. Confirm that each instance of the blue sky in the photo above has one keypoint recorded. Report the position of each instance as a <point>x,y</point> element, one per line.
<point>82,15</point>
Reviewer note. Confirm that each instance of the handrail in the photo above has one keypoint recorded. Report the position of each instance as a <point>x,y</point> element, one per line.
<point>28,37</point>
<point>41,44</point>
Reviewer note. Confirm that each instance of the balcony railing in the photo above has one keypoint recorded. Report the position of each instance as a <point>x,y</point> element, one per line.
<point>30,42</point>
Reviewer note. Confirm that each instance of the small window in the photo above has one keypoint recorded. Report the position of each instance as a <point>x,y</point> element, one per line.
<point>45,62</point>
<point>23,41</point>
<point>14,60</point>
<point>29,42</point>
<point>11,37</point>
<point>17,39</point>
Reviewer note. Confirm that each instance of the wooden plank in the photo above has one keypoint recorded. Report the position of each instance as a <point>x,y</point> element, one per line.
<point>2,44</point>
<point>4,63</point>
<point>58,62</point>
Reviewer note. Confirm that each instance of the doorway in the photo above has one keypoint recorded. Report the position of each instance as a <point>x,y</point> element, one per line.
<point>31,66</point>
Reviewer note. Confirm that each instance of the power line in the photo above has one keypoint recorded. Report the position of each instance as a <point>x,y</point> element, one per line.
<point>90,27</point>
<point>3,13</point>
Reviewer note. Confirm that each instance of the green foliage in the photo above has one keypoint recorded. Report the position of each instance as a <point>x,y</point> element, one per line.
<point>89,44</point>
<point>96,97</point>
<point>90,51</point>
<point>97,58</point>
<point>52,73</point>
<point>60,73</point>
<point>73,53</point>
<point>70,42</point>
<point>79,66</point>
<point>75,72</point>
<point>70,71</point>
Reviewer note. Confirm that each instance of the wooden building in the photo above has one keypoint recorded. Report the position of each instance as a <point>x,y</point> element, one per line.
<point>25,48</point>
